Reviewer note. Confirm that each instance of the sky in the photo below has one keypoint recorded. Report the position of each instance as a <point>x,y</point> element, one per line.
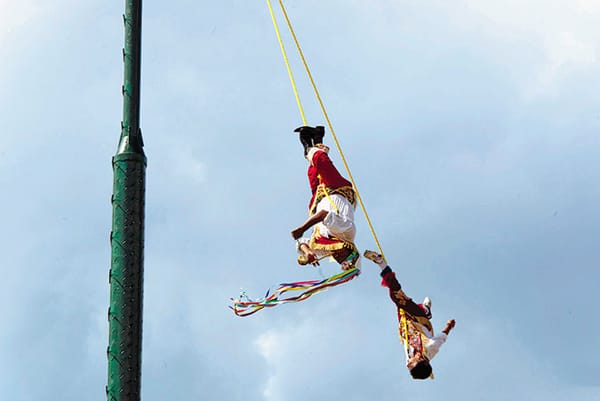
<point>471,128</point>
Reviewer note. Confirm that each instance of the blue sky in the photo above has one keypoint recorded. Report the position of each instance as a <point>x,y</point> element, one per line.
<point>472,129</point>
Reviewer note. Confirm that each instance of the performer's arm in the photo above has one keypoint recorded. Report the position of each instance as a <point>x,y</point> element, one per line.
<point>436,342</point>
<point>311,221</point>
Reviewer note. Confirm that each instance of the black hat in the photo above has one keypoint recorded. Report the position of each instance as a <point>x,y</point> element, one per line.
<point>304,129</point>
<point>310,136</point>
<point>316,133</point>
<point>306,138</point>
<point>319,129</point>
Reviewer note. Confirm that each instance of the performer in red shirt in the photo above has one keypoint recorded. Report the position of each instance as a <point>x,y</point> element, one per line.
<point>331,207</point>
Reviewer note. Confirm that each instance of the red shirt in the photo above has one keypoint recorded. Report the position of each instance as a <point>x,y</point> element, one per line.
<point>330,176</point>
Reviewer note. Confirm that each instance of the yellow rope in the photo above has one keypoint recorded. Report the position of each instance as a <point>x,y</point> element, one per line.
<point>339,148</point>
<point>337,211</point>
<point>404,325</point>
<point>287,63</point>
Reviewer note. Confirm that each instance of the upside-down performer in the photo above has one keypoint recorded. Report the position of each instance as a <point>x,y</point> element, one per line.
<point>331,208</point>
<point>415,328</point>
<point>331,214</point>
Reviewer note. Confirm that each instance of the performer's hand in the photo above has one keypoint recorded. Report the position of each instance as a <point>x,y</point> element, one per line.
<point>297,233</point>
<point>449,326</point>
<point>312,258</point>
<point>324,148</point>
<point>308,255</point>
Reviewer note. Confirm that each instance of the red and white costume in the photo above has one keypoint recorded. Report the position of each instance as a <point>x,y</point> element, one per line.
<point>333,193</point>
<point>415,330</point>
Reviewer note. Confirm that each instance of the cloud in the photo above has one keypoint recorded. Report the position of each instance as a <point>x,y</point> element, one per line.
<point>588,6</point>
<point>566,54</point>
<point>15,17</point>
<point>17,13</point>
<point>562,30</point>
<point>185,166</point>
<point>537,44</point>
<point>326,350</point>
<point>270,344</point>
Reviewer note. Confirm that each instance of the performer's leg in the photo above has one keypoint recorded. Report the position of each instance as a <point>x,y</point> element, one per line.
<point>415,309</point>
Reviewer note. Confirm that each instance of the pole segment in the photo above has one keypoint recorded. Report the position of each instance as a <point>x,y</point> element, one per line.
<point>127,236</point>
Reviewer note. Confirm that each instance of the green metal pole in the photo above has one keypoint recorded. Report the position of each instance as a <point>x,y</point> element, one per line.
<point>127,235</point>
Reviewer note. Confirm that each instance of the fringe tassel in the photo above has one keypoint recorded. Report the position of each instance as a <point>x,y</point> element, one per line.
<point>244,306</point>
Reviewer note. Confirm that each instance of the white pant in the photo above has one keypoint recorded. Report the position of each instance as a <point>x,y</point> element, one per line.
<point>339,222</point>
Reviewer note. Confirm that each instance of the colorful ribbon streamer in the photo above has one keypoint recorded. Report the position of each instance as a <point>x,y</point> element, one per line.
<point>244,306</point>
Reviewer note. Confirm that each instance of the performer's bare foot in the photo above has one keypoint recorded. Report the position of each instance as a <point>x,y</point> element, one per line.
<point>376,258</point>
<point>308,256</point>
<point>350,260</point>
<point>347,265</point>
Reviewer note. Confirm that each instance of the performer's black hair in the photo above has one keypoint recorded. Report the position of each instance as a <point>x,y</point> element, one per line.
<point>422,370</point>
